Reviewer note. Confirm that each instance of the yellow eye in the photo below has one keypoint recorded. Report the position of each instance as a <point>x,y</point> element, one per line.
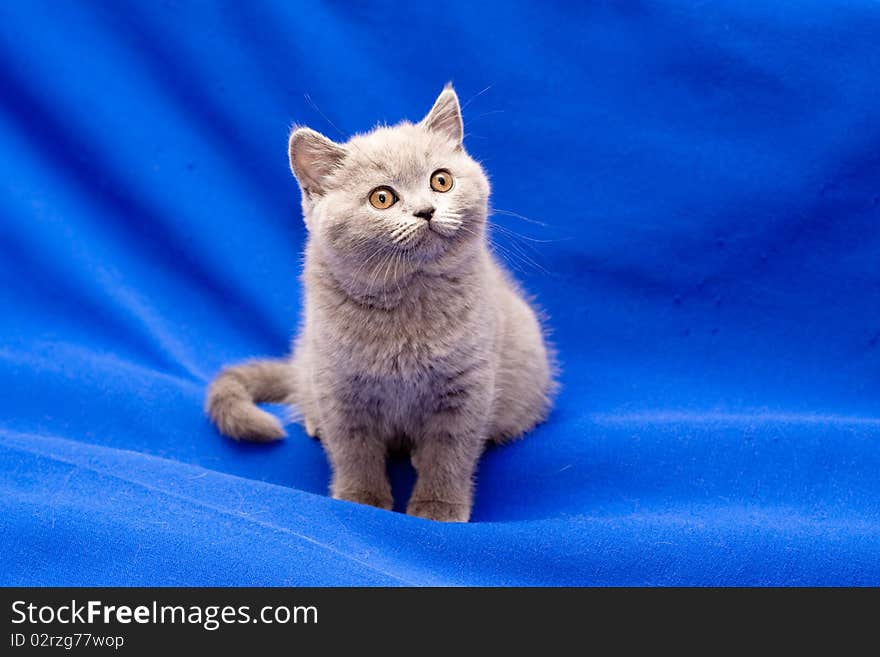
<point>441,180</point>
<point>382,198</point>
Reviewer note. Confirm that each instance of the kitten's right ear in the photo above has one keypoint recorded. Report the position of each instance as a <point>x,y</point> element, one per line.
<point>313,159</point>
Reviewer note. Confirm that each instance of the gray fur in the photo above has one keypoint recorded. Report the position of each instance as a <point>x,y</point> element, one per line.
<point>413,336</point>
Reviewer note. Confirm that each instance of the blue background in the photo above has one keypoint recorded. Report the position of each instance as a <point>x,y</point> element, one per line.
<point>699,191</point>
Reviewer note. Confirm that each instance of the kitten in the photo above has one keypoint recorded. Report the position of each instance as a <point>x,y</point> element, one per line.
<point>414,336</point>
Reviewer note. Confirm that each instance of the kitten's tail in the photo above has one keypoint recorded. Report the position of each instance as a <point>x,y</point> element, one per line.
<point>232,397</point>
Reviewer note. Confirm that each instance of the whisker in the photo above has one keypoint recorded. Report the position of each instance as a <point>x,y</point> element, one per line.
<point>324,116</point>
<point>402,228</point>
<point>341,134</point>
<point>513,233</point>
<point>474,97</point>
<point>385,279</point>
<point>361,267</point>
<point>512,254</point>
<point>397,260</point>
<point>404,237</point>
<point>518,249</point>
<point>479,116</point>
<point>518,216</point>
<point>374,278</point>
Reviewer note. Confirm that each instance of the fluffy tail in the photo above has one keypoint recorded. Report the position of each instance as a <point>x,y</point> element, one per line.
<point>232,397</point>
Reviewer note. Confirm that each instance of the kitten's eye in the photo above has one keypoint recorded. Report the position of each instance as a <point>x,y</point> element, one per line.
<point>441,180</point>
<point>382,198</point>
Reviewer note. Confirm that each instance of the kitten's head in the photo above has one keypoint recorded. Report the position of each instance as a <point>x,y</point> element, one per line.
<point>408,192</point>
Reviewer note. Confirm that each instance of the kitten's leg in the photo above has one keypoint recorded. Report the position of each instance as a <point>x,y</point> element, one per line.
<point>358,462</point>
<point>445,458</point>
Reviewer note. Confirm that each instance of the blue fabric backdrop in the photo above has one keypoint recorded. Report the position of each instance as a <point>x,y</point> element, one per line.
<point>699,191</point>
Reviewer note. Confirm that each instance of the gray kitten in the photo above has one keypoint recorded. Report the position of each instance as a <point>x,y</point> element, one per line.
<point>414,336</point>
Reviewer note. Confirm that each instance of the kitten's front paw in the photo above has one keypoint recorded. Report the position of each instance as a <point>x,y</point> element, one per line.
<point>441,511</point>
<point>365,497</point>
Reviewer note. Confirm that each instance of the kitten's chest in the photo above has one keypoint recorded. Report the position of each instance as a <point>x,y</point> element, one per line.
<point>411,342</point>
<point>401,346</point>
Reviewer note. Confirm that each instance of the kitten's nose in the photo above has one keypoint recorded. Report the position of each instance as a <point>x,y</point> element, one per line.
<point>425,213</point>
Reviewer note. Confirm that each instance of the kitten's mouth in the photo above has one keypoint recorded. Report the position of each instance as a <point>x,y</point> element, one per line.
<point>445,226</point>
<point>414,236</point>
<point>428,239</point>
<point>424,244</point>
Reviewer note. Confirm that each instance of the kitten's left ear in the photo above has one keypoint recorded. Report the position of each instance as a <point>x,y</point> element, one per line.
<point>445,116</point>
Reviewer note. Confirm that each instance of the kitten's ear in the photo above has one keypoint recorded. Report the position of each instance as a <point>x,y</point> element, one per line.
<point>445,116</point>
<point>313,158</point>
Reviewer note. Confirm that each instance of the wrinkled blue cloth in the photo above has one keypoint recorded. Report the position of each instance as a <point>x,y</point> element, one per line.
<point>690,190</point>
